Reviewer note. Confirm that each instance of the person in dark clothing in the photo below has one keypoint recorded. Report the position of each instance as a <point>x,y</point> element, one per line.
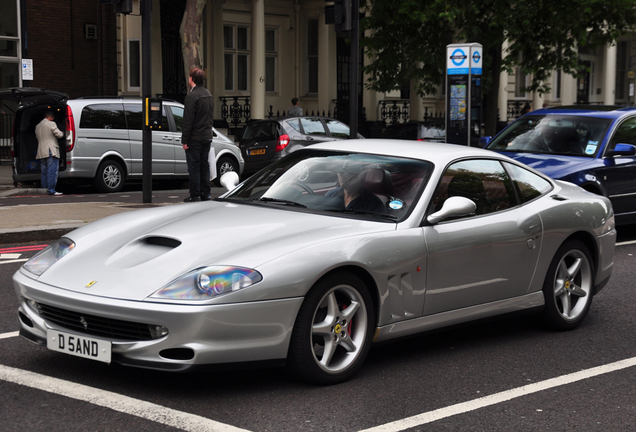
<point>196,135</point>
<point>353,193</point>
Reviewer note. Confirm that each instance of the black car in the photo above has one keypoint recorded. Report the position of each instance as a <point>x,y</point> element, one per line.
<point>418,131</point>
<point>265,141</point>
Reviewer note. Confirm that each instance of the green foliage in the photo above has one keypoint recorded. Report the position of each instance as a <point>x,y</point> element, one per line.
<point>406,39</point>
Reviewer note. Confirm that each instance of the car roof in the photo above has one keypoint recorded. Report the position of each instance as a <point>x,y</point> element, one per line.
<point>435,152</point>
<point>603,111</point>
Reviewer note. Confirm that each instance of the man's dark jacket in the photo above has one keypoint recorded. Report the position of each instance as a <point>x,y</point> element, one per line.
<point>198,116</point>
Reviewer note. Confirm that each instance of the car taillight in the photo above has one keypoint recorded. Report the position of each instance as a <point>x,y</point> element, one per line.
<point>70,129</point>
<point>282,142</point>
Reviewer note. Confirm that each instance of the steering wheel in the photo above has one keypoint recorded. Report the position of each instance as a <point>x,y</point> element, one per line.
<point>537,143</point>
<point>301,185</point>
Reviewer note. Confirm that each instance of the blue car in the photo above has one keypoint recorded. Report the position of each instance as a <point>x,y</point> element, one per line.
<point>591,146</point>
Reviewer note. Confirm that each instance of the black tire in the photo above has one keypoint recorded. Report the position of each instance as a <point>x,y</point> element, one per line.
<point>223,165</point>
<point>110,177</point>
<point>569,286</point>
<point>323,323</point>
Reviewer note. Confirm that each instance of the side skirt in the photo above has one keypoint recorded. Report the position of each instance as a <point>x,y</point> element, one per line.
<point>450,318</point>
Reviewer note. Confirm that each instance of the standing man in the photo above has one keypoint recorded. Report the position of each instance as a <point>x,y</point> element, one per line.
<point>294,110</point>
<point>47,134</point>
<point>197,134</point>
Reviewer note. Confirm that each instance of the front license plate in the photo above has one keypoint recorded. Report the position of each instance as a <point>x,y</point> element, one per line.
<point>80,346</point>
<point>257,152</point>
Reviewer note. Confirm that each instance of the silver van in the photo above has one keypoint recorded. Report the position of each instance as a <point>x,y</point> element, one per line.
<point>103,139</point>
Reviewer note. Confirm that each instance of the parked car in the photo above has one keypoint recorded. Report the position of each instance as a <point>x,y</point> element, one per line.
<point>103,139</point>
<point>591,146</point>
<point>310,278</point>
<point>419,131</point>
<point>264,141</point>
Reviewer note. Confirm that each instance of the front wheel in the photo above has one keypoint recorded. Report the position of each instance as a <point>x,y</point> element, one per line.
<point>109,177</point>
<point>333,330</point>
<point>223,165</point>
<point>568,287</point>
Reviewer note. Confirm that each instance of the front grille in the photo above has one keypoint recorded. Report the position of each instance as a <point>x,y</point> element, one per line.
<point>95,325</point>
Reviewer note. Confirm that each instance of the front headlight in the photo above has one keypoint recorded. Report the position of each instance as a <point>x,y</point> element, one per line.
<point>207,283</point>
<point>48,256</point>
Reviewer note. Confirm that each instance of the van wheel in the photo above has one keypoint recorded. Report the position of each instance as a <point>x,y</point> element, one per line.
<point>110,177</point>
<point>223,165</point>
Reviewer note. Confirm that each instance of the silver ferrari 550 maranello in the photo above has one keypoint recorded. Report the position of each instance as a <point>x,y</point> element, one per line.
<point>317,256</point>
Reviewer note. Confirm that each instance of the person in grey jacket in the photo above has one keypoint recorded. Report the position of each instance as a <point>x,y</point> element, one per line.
<point>196,135</point>
<point>48,153</point>
<point>294,110</point>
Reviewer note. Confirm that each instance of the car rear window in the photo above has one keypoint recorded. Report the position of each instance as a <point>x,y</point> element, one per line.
<point>262,131</point>
<point>337,129</point>
<point>103,116</point>
<point>313,126</point>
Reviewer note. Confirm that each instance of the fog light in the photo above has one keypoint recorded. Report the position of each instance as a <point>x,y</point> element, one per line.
<point>33,304</point>
<point>157,331</point>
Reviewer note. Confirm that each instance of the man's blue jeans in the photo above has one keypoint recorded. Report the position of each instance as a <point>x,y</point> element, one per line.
<point>198,169</point>
<point>49,167</point>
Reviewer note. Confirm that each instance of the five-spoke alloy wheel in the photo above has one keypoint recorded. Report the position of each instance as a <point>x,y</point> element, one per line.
<point>333,330</point>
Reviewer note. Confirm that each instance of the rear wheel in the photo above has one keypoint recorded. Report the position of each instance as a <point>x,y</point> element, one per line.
<point>569,286</point>
<point>333,330</point>
<point>223,165</point>
<point>109,177</point>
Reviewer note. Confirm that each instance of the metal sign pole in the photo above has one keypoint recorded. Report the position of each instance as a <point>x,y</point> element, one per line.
<point>146,65</point>
<point>354,68</point>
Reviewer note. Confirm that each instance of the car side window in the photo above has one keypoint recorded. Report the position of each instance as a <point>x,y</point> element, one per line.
<point>135,118</point>
<point>177,115</point>
<point>625,134</point>
<point>103,116</point>
<point>313,126</point>
<point>529,185</point>
<point>483,181</point>
<point>337,129</point>
<point>294,123</point>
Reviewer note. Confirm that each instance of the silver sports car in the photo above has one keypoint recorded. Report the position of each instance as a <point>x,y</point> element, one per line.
<point>314,258</point>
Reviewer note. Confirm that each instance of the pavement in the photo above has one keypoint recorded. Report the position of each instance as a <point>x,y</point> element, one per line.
<point>49,218</point>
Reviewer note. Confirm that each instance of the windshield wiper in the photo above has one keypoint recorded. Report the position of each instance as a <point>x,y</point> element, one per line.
<point>280,201</point>
<point>364,212</point>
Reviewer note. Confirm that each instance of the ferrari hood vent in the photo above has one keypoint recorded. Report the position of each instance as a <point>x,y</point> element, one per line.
<point>162,241</point>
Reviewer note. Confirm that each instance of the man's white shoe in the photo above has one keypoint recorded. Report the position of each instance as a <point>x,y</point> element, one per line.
<point>57,194</point>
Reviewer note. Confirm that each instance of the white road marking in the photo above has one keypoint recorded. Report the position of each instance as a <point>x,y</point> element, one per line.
<point>14,261</point>
<point>626,243</point>
<point>114,401</point>
<point>9,335</point>
<point>10,255</point>
<point>496,398</point>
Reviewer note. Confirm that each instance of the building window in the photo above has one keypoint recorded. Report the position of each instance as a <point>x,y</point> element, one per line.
<point>621,72</point>
<point>9,45</point>
<point>236,45</point>
<point>134,64</point>
<point>520,82</point>
<point>312,57</point>
<point>557,85</point>
<point>271,54</point>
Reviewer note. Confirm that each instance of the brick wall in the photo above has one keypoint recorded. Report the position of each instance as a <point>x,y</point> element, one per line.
<point>63,59</point>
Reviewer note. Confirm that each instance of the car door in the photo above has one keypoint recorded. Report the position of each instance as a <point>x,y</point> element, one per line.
<point>618,173</point>
<point>488,256</point>
<point>313,131</point>
<point>163,153</point>
<point>181,166</point>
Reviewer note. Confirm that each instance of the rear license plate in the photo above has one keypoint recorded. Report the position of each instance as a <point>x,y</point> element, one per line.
<point>79,346</point>
<point>257,152</point>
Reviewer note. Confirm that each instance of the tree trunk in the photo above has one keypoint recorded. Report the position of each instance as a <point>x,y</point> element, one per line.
<point>190,32</point>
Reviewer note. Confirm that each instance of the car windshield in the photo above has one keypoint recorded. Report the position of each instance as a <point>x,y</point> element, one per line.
<point>367,186</point>
<point>553,134</point>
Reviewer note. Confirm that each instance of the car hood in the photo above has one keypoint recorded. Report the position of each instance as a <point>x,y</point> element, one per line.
<point>131,255</point>
<point>553,166</point>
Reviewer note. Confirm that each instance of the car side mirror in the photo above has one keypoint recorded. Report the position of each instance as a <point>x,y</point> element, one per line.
<point>453,207</point>
<point>622,150</point>
<point>484,141</point>
<point>229,180</point>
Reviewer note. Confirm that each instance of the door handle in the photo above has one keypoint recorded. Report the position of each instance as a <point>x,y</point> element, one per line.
<point>166,138</point>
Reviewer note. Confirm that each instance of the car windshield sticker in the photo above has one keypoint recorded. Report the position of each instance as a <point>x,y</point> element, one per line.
<point>396,204</point>
<point>591,147</point>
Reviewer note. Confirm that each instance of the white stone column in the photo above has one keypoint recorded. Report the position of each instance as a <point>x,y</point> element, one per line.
<point>568,89</point>
<point>257,66</point>
<point>324,77</point>
<point>537,101</point>
<point>609,71</point>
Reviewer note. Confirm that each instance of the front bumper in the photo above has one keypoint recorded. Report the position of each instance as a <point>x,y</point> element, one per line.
<point>213,334</point>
